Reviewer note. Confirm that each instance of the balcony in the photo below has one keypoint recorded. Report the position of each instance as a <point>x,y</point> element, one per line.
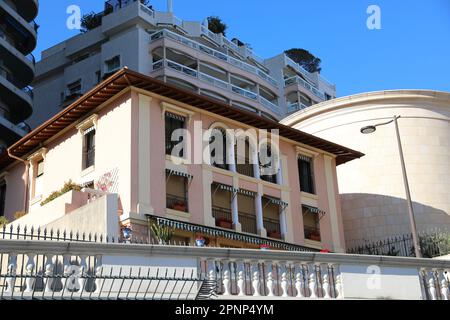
<point>223,217</point>
<point>248,222</point>
<point>297,106</point>
<point>272,227</point>
<point>312,233</point>
<point>20,99</point>
<point>177,203</point>
<point>245,169</point>
<point>214,53</point>
<point>24,30</point>
<point>28,9</point>
<point>218,83</point>
<point>299,81</point>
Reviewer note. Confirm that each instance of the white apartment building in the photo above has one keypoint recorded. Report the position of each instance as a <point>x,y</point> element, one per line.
<point>186,53</point>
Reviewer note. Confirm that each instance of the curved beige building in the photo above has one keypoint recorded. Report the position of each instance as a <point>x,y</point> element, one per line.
<point>372,189</point>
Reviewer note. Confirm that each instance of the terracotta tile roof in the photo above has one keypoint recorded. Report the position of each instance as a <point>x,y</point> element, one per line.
<point>126,78</point>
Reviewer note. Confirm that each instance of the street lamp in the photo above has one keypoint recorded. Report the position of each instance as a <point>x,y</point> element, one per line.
<point>372,129</point>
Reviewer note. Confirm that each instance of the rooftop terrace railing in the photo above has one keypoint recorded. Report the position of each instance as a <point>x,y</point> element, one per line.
<point>303,83</point>
<point>214,53</point>
<point>215,82</point>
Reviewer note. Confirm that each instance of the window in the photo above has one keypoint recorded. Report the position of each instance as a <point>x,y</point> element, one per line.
<point>176,191</point>
<point>218,147</point>
<point>38,178</point>
<point>268,166</point>
<point>243,157</point>
<point>174,122</point>
<point>2,198</point>
<point>74,88</point>
<point>112,64</point>
<point>305,168</point>
<point>89,148</point>
<point>98,77</point>
<point>311,224</point>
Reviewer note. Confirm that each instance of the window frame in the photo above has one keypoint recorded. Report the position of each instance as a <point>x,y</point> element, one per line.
<point>3,190</point>
<point>311,181</point>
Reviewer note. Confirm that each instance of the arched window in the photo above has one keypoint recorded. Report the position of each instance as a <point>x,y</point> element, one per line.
<point>243,156</point>
<point>218,147</point>
<point>268,163</point>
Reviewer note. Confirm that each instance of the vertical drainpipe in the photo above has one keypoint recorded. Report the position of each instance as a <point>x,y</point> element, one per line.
<point>27,180</point>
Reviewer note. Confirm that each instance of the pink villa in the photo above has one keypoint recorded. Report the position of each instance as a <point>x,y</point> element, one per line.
<point>114,145</point>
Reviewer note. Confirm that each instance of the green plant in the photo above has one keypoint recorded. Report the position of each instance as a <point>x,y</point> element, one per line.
<point>19,214</point>
<point>90,21</point>
<point>68,186</point>
<point>216,25</point>
<point>3,221</point>
<point>305,58</point>
<point>162,233</point>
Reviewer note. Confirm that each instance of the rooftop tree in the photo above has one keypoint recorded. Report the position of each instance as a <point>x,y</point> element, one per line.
<point>305,58</point>
<point>216,25</point>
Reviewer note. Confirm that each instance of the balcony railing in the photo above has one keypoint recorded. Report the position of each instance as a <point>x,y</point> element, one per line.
<point>176,203</point>
<point>272,106</point>
<point>245,169</point>
<point>306,85</point>
<point>37,270</point>
<point>223,217</point>
<point>218,83</point>
<point>214,53</point>
<point>248,222</point>
<point>312,233</point>
<point>297,106</point>
<point>272,227</point>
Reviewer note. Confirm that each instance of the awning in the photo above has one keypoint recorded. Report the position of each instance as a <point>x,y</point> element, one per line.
<point>175,116</point>
<point>304,158</point>
<point>276,201</point>
<point>315,210</point>
<point>232,235</point>
<point>224,187</point>
<point>88,130</point>
<point>172,172</point>
<point>246,192</point>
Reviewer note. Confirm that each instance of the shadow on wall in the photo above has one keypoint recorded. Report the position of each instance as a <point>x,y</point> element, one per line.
<point>373,217</point>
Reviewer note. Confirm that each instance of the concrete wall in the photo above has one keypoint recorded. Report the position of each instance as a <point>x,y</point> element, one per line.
<point>372,189</point>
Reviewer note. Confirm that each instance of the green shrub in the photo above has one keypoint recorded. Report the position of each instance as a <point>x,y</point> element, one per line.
<point>3,221</point>
<point>162,233</point>
<point>68,186</point>
<point>19,214</point>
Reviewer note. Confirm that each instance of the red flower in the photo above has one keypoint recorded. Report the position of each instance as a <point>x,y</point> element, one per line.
<point>325,251</point>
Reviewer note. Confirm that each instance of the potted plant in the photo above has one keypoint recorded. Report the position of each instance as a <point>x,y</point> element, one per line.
<point>225,223</point>
<point>274,234</point>
<point>324,250</point>
<point>179,206</point>
<point>315,236</point>
<point>200,241</point>
<point>162,233</point>
<point>264,247</point>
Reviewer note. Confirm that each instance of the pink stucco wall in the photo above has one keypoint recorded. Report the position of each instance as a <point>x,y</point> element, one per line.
<point>117,147</point>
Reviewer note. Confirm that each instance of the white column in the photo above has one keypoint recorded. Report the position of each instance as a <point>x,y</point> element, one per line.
<point>144,156</point>
<point>259,213</point>
<point>170,6</point>
<point>235,213</point>
<point>279,173</point>
<point>283,225</point>
<point>255,161</point>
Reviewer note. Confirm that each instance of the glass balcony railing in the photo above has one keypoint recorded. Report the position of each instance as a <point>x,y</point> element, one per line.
<point>297,106</point>
<point>306,85</point>
<point>215,82</point>
<point>214,53</point>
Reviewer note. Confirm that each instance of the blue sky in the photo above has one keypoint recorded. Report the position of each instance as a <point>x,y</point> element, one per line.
<point>411,51</point>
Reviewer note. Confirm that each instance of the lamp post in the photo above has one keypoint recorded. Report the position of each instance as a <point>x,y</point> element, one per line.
<point>372,129</point>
